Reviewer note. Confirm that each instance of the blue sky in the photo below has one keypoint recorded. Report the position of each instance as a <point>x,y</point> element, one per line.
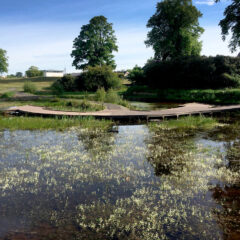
<point>41,32</point>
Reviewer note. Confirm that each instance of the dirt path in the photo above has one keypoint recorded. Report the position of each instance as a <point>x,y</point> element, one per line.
<point>121,112</point>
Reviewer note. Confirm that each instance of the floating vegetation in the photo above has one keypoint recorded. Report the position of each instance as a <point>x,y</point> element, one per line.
<point>134,184</point>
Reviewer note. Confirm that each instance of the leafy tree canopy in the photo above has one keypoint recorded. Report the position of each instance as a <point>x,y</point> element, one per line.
<point>175,30</point>
<point>231,23</point>
<point>34,72</point>
<point>19,74</point>
<point>3,61</point>
<point>95,44</point>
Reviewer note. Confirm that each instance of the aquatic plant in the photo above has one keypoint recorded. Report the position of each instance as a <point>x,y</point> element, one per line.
<point>67,179</point>
<point>187,123</point>
<point>39,123</point>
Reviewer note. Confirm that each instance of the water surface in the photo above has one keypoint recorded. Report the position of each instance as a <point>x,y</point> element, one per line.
<point>134,184</point>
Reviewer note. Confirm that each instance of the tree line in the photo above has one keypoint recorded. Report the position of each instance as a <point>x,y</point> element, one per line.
<point>174,34</point>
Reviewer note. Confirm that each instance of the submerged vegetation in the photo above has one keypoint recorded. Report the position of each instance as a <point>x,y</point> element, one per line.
<point>133,184</point>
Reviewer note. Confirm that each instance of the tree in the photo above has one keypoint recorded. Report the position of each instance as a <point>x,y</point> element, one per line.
<point>34,72</point>
<point>19,74</point>
<point>95,44</point>
<point>136,75</point>
<point>3,61</point>
<point>175,30</point>
<point>231,23</point>
<point>98,77</point>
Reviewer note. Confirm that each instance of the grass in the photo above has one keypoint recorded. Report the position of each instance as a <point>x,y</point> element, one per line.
<point>140,93</point>
<point>16,84</point>
<point>56,104</point>
<point>43,88</point>
<point>7,95</point>
<point>69,105</point>
<point>187,123</point>
<point>38,123</point>
<point>111,96</point>
<point>29,87</point>
<point>9,103</point>
<point>221,96</point>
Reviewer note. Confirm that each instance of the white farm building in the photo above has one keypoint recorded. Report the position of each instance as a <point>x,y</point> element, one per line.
<point>53,73</point>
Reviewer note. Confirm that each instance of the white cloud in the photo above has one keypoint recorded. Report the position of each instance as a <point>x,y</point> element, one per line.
<point>48,46</point>
<point>132,49</point>
<point>206,2</point>
<point>213,44</point>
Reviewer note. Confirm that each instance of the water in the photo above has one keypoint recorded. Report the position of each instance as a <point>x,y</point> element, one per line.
<point>146,106</point>
<point>135,184</point>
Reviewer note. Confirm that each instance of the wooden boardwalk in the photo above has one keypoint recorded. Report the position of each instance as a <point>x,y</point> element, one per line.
<point>124,113</point>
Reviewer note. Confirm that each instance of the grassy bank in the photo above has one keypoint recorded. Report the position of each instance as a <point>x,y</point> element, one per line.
<point>68,105</point>
<point>223,96</point>
<point>57,104</point>
<point>38,123</point>
<point>187,123</point>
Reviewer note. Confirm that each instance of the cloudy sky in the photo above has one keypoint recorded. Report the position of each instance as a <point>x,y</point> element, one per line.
<point>41,32</point>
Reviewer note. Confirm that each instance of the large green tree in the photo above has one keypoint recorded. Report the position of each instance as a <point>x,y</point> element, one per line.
<point>95,44</point>
<point>231,23</point>
<point>175,30</point>
<point>34,72</point>
<point>3,61</point>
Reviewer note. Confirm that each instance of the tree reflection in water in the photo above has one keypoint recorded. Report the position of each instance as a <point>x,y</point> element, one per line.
<point>92,185</point>
<point>228,196</point>
<point>97,142</point>
<point>168,150</point>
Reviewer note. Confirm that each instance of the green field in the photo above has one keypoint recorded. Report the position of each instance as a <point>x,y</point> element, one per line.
<point>16,84</point>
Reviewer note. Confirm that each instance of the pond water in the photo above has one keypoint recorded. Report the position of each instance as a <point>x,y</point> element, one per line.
<point>134,184</point>
<point>147,106</point>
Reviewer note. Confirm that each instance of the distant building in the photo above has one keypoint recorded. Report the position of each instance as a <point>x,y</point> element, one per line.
<point>74,74</point>
<point>126,74</point>
<point>53,73</point>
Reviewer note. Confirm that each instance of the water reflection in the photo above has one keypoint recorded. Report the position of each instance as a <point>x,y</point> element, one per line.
<point>228,217</point>
<point>133,184</point>
<point>233,155</point>
<point>167,151</point>
<point>97,142</point>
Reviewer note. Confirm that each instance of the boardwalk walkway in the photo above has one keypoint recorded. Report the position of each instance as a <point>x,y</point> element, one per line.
<point>121,112</point>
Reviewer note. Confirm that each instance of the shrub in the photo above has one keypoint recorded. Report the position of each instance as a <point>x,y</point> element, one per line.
<point>98,77</point>
<point>67,82</point>
<point>29,87</point>
<point>193,73</point>
<point>112,96</point>
<point>136,75</point>
<point>57,88</point>
<point>7,95</point>
<point>100,95</point>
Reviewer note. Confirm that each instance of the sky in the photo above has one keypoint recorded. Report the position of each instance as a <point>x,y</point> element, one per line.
<point>41,32</point>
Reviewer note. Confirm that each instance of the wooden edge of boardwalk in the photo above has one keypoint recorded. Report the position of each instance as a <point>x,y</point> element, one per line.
<point>185,110</point>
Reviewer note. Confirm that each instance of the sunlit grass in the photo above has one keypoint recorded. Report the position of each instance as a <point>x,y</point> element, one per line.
<point>68,105</point>
<point>16,84</point>
<point>38,123</point>
<point>187,123</point>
